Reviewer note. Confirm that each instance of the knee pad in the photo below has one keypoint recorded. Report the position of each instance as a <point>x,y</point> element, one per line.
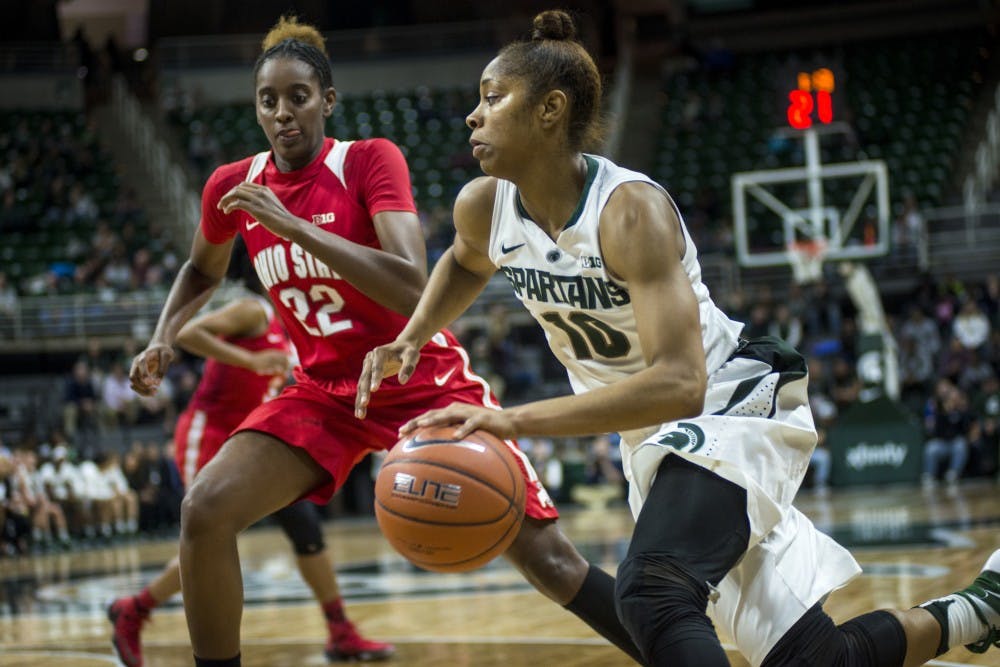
<point>301,524</point>
<point>660,602</point>
<point>874,640</point>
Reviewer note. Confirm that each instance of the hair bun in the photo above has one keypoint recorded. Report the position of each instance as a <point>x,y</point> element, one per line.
<point>288,27</point>
<point>553,24</point>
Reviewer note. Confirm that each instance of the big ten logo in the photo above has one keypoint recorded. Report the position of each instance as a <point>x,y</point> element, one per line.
<point>426,490</point>
<point>802,103</point>
<point>323,218</point>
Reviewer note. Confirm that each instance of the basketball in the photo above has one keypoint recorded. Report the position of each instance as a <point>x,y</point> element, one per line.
<point>447,504</point>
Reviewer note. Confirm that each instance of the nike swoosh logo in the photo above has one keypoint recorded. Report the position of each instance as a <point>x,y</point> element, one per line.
<point>439,380</point>
<point>506,249</point>
<point>251,224</point>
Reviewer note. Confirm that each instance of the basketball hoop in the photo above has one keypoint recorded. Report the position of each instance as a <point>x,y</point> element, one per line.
<point>806,259</point>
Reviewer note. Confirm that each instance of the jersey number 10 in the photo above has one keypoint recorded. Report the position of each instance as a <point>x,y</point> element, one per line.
<point>582,329</point>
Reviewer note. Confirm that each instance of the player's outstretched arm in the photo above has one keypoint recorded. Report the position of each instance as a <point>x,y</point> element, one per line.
<point>206,336</point>
<point>458,278</point>
<point>642,244</point>
<point>195,282</point>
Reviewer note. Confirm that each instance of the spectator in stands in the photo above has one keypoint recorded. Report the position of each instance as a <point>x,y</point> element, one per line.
<point>15,523</point>
<point>138,472</point>
<point>974,372</point>
<point>953,360</point>
<point>909,230</point>
<point>81,205</point>
<point>481,358</point>
<point>9,303</point>
<point>948,427</point>
<point>760,321</point>
<point>170,488</point>
<point>944,307</point>
<point>542,452</point>
<point>63,485</point>
<point>983,437</point>
<point>921,330</point>
<point>786,326</point>
<point>124,501</point>
<point>601,467</point>
<point>824,411</point>
<point>98,360</point>
<point>98,494</point>
<point>916,372</point>
<point>118,270</point>
<point>971,327</point>
<point>142,265</point>
<point>160,407</point>
<point>80,401</point>
<point>822,315</point>
<point>119,404</point>
<point>821,462</point>
<point>845,385</point>
<point>48,523</point>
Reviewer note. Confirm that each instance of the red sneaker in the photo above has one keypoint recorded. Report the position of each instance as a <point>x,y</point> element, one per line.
<point>126,620</point>
<point>347,645</point>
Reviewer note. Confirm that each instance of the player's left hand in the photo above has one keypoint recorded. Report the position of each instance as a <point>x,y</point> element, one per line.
<point>261,203</point>
<point>468,418</point>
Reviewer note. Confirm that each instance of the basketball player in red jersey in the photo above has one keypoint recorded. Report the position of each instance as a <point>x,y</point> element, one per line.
<point>247,360</point>
<point>332,232</point>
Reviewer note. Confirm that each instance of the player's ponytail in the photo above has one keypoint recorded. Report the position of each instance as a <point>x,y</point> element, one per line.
<point>291,39</point>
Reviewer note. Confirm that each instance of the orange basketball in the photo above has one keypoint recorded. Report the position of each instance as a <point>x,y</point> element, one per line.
<point>450,505</point>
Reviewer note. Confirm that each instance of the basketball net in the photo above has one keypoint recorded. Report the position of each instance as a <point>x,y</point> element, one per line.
<point>806,259</point>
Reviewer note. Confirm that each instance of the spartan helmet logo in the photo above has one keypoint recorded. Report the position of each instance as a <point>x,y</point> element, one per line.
<point>686,437</point>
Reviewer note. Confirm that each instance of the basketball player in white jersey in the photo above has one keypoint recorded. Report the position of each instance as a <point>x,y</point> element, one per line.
<point>716,430</point>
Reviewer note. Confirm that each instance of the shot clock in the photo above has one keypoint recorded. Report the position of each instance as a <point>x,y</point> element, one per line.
<point>809,95</point>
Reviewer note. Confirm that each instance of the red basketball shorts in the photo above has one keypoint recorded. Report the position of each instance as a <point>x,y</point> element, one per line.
<point>198,437</point>
<point>323,424</point>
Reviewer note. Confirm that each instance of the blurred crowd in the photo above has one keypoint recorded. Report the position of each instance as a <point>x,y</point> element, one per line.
<point>105,471</point>
<point>60,202</point>
<point>55,496</point>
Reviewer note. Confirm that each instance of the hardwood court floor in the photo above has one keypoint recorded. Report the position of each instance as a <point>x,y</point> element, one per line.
<point>913,545</point>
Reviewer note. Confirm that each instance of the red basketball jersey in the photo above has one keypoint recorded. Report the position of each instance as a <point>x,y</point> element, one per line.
<point>331,324</point>
<point>228,393</point>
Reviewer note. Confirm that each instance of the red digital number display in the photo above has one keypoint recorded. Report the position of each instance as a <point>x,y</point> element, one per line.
<point>813,95</point>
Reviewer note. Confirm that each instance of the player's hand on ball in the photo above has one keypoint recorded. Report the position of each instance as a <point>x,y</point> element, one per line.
<point>149,367</point>
<point>466,418</point>
<point>396,358</point>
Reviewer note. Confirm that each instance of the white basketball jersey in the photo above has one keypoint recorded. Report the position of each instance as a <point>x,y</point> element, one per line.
<point>586,314</point>
<point>756,429</point>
